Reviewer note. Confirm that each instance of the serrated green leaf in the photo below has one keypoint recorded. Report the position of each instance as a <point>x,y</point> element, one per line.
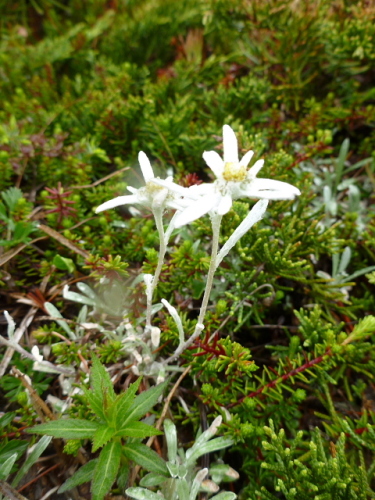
<point>101,381</point>
<point>148,459</point>
<point>106,470</point>
<point>143,403</point>
<point>83,475</point>
<point>101,437</point>
<point>95,402</point>
<point>6,466</point>
<point>138,430</point>
<point>11,197</point>
<point>31,459</point>
<point>123,403</point>
<point>68,429</point>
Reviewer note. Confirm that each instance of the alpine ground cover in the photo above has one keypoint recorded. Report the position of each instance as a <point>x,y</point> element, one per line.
<point>236,335</point>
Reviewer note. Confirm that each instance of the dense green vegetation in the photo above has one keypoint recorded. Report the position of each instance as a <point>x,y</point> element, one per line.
<point>287,356</point>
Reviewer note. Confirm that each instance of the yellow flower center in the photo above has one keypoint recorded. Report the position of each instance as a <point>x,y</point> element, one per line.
<point>151,187</point>
<point>233,172</point>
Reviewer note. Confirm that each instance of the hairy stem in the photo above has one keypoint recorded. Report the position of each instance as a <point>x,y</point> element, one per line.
<point>216,222</point>
<point>158,215</point>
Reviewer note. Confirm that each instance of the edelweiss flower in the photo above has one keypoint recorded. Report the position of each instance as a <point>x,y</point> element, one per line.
<point>233,181</point>
<point>151,196</point>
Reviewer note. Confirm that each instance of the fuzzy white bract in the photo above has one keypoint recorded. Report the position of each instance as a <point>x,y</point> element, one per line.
<point>233,181</point>
<point>151,196</point>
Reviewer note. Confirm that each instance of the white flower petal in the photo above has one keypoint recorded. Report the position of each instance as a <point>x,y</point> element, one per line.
<point>36,354</point>
<point>197,190</point>
<point>271,190</point>
<point>115,202</point>
<point>215,162</point>
<point>196,209</point>
<point>11,324</point>
<point>175,188</point>
<point>246,159</point>
<point>145,165</point>
<point>255,214</point>
<point>224,205</point>
<point>254,170</point>
<point>179,204</point>
<point>230,145</point>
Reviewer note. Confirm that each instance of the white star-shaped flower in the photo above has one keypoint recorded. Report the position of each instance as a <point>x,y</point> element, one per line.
<point>152,195</point>
<point>233,181</point>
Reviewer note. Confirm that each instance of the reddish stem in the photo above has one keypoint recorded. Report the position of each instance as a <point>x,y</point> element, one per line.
<point>38,477</point>
<point>281,378</point>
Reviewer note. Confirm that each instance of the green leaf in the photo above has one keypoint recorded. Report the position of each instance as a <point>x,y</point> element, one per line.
<point>148,459</point>
<point>143,403</point>
<point>198,287</point>
<point>340,162</point>
<point>68,429</point>
<point>83,475</point>
<point>123,476</point>
<point>101,381</point>
<point>63,263</point>
<point>7,418</point>
<point>208,447</point>
<point>11,197</point>
<point>171,437</point>
<point>106,470</point>
<point>152,479</point>
<point>224,495</point>
<point>3,213</point>
<point>96,403</point>
<point>6,466</point>
<point>31,459</point>
<point>22,231</point>
<point>101,437</point>
<point>138,430</point>
<point>183,489</point>
<point>13,446</point>
<point>55,313</point>
<point>123,403</point>
<point>142,494</point>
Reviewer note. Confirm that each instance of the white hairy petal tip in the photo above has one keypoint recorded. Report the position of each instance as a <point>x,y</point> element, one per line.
<point>146,167</point>
<point>215,162</point>
<point>230,145</point>
<point>246,159</point>
<point>115,202</point>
